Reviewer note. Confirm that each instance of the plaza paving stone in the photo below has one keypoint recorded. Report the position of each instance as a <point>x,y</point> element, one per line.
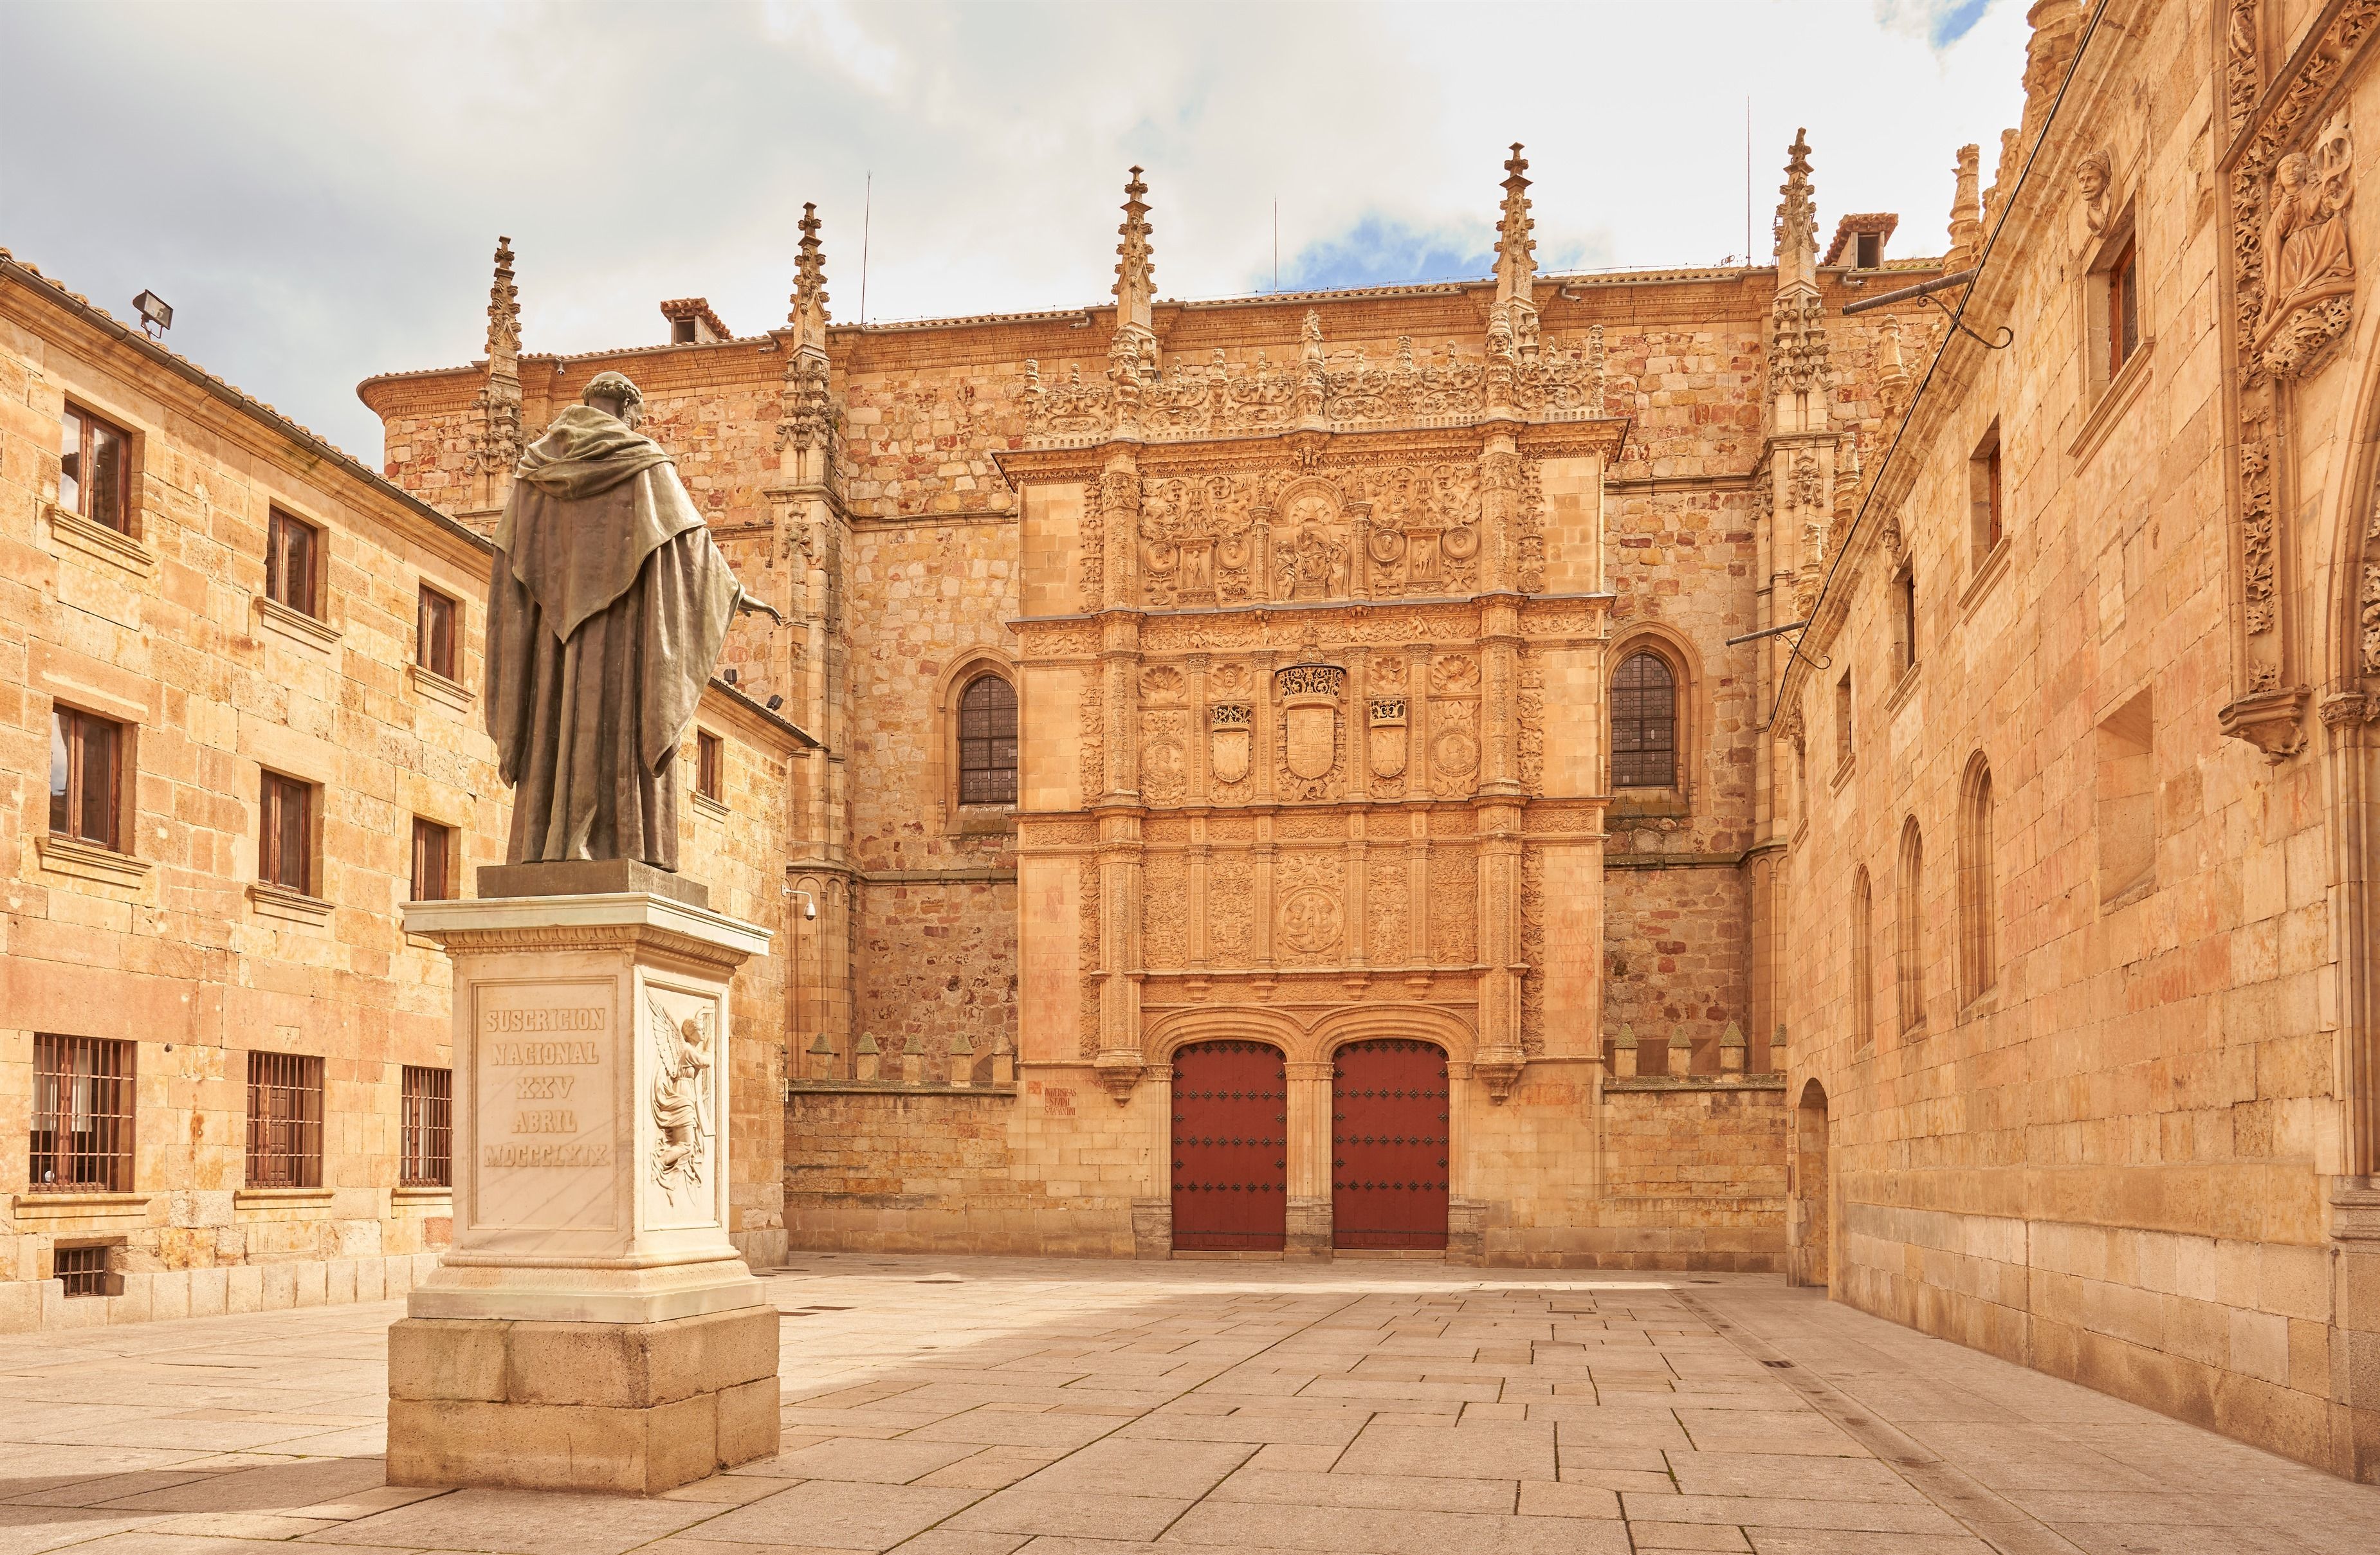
<point>956,1406</point>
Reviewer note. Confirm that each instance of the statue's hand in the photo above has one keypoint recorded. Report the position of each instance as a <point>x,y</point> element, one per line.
<point>762,607</point>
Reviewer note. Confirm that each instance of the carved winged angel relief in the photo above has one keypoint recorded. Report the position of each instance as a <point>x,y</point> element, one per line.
<point>683,1054</point>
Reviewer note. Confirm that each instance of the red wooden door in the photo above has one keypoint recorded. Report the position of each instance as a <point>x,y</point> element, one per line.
<point>1388,1145</point>
<point>1230,1148</point>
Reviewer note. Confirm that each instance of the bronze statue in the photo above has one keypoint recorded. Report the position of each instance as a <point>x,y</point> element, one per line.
<point>607,607</point>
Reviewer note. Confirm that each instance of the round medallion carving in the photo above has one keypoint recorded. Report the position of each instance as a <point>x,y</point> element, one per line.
<point>1310,920</point>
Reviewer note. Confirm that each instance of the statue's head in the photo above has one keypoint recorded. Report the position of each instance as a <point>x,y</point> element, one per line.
<point>613,393</point>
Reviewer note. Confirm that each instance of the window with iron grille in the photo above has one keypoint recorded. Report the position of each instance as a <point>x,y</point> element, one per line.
<point>293,563</point>
<point>433,852</point>
<point>82,1115</point>
<point>710,765</point>
<point>284,851</point>
<point>284,1121</point>
<point>433,647</point>
<point>93,461</point>
<point>86,776</point>
<point>1644,724</point>
<point>83,1270</point>
<point>428,1128</point>
<point>988,742</point>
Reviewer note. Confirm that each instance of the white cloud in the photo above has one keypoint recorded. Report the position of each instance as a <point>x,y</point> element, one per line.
<point>319,188</point>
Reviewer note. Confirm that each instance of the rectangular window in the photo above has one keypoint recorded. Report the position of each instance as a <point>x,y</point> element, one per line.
<point>286,833</point>
<point>86,777</point>
<point>1843,719</point>
<point>292,563</point>
<point>1871,249</point>
<point>93,461</point>
<point>83,1270</point>
<point>1904,616</point>
<point>2123,308</point>
<point>1985,521</point>
<point>433,850</point>
<point>433,647</point>
<point>82,1115</point>
<point>284,1121</point>
<point>710,765</point>
<point>426,1156</point>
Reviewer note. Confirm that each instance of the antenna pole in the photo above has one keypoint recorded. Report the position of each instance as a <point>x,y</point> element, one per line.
<point>1276,243</point>
<point>1747,180</point>
<point>868,212</point>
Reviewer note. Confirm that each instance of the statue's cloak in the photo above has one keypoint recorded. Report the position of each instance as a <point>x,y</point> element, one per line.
<point>607,606</point>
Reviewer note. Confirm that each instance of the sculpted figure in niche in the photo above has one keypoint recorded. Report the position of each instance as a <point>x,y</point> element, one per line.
<point>607,606</point>
<point>681,1098</point>
<point>2305,243</point>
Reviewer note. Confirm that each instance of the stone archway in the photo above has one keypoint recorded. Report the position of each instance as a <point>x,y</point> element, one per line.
<point>1812,1226</point>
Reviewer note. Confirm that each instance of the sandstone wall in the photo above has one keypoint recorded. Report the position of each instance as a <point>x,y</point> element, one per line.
<point>168,944</point>
<point>2114,1155</point>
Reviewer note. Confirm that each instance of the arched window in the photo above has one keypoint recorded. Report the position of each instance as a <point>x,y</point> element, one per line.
<point>1862,962</point>
<point>1909,949</point>
<point>1644,724</point>
<point>988,742</point>
<point>1978,965</point>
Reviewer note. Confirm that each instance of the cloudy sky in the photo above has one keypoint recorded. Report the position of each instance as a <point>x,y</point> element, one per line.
<point>317,189</point>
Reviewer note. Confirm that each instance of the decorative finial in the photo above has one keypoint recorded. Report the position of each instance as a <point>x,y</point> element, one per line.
<point>1135,273</point>
<point>808,313</point>
<point>1966,214</point>
<point>1797,219</point>
<point>504,307</point>
<point>1516,263</point>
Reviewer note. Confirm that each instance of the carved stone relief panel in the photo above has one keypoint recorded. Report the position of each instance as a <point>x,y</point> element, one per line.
<point>1313,555</point>
<point>1164,736</point>
<point>1532,950</point>
<point>1453,724</point>
<point>1231,898</point>
<point>1310,919</point>
<point>1164,907</point>
<point>1189,526</point>
<point>1088,964</point>
<point>1386,940</point>
<point>1529,711</point>
<point>1453,904</point>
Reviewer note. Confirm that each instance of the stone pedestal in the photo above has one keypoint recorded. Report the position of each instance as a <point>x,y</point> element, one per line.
<point>591,1328</point>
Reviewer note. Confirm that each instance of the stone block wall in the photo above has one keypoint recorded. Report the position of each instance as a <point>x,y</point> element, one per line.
<point>2096,1123</point>
<point>166,942</point>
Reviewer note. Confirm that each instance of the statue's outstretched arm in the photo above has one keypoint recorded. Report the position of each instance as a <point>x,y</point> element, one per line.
<point>759,607</point>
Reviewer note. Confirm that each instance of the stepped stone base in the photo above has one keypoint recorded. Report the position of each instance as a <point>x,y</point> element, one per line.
<point>633,1407</point>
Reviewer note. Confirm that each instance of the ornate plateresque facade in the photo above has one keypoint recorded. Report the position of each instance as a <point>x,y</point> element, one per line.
<point>1311,658</point>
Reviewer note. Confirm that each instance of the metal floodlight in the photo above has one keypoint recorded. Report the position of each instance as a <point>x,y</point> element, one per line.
<point>775,701</point>
<point>156,314</point>
<point>728,675</point>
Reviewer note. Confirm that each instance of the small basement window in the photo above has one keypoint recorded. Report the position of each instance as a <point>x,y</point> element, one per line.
<point>83,1270</point>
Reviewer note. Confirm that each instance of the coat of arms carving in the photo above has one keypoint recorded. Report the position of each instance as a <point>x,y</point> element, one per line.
<point>1388,736</point>
<point>1310,719</point>
<point>1231,740</point>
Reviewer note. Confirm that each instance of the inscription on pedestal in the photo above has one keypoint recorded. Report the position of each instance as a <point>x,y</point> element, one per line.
<point>545,1110</point>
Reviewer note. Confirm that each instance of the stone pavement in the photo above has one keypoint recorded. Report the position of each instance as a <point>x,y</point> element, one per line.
<point>961,1406</point>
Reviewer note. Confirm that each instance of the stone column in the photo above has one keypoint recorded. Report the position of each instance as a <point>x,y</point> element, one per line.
<point>591,1328</point>
<point>1309,1161</point>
